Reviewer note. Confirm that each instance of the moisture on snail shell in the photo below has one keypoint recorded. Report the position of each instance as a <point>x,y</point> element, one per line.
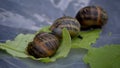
<point>43,45</point>
<point>71,24</point>
<point>91,17</point>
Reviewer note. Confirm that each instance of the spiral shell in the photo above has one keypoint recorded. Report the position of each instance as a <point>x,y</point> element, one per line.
<point>43,45</point>
<point>71,24</point>
<point>92,16</point>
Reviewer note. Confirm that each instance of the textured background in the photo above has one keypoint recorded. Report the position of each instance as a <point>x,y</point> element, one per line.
<point>28,16</point>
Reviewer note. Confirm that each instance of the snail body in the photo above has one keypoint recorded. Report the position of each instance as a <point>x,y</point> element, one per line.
<point>71,24</point>
<point>43,45</point>
<point>92,16</point>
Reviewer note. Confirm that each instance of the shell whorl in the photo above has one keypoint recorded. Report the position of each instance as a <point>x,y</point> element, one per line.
<point>71,24</point>
<point>92,16</point>
<point>43,45</point>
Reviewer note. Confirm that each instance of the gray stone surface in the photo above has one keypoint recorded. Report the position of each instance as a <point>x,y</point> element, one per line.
<point>28,16</point>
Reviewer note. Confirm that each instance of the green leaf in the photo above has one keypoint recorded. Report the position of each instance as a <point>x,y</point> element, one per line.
<point>17,47</point>
<point>45,29</point>
<point>65,46</point>
<point>89,37</point>
<point>104,57</point>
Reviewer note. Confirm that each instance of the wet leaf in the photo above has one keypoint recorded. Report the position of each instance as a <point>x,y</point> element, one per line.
<point>104,57</point>
<point>17,47</point>
<point>89,37</point>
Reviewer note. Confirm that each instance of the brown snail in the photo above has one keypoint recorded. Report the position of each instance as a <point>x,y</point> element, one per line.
<point>92,17</point>
<point>71,24</point>
<point>43,45</point>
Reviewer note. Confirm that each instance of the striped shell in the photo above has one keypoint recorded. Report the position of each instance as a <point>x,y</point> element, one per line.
<point>43,45</point>
<point>71,24</point>
<point>92,16</point>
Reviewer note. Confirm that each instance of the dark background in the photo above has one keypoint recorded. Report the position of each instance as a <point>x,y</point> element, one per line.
<point>28,16</point>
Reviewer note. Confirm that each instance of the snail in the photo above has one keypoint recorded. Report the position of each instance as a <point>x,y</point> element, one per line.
<point>43,45</point>
<point>71,24</point>
<point>92,17</point>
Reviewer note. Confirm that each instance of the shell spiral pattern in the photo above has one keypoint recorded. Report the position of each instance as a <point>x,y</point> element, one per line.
<point>92,16</point>
<point>71,24</point>
<point>43,45</point>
